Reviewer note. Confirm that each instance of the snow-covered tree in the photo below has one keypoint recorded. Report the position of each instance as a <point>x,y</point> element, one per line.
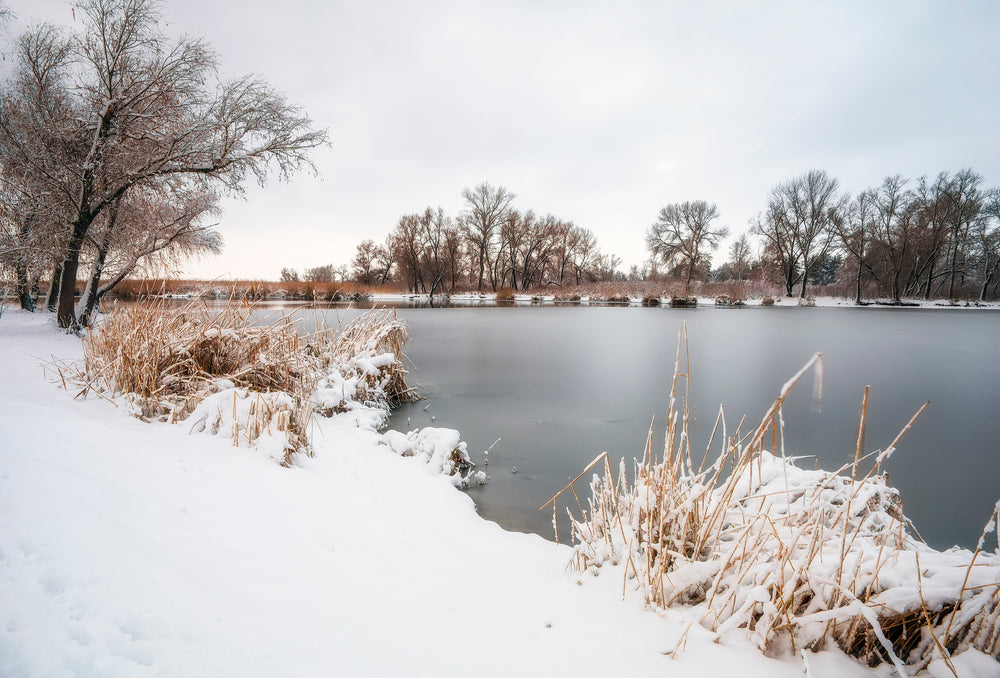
<point>127,107</point>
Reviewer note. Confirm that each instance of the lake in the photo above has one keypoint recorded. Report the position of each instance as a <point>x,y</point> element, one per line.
<point>559,385</point>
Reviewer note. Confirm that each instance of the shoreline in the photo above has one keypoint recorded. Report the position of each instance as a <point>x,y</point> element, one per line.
<point>141,549</point>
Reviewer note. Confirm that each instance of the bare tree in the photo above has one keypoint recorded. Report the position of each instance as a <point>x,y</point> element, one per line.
<point>893,216</point>
<point>140,108</point>
<point>385,258</point>
<point>741,257</point>
<point>855,234</point>
<point>434,225</point>
<point>453,252</point>
<point>966,204</point>
<point>33,118</point>
<point>321,274</point>
<point>363,264</point>
<point>485,209</point>
<point>290,275</point>
<point>143,229</point>
<point>683,235</point>
<point>780,251</point>
<point>932,203</point>
<point>811,204</point>
<point>584,253</point>
<point>987,233</point>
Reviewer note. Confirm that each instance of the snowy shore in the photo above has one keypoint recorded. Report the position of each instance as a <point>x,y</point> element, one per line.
<point>135,549</point>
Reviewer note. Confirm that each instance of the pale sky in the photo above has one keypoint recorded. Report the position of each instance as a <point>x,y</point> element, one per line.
<point>600,113</point>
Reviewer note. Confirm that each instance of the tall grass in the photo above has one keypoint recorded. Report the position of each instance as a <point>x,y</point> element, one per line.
<point>166,360</point>
<point>799,559</point>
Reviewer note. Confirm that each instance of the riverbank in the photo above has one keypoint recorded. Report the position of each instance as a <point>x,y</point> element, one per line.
<point>699,301</point>
<point>129,548</point>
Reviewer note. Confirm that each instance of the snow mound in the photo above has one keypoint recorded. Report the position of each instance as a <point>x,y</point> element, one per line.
<point>265,421</point>
<point>441,449</point>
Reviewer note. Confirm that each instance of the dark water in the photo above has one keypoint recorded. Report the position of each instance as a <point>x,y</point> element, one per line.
<point>561,385</point>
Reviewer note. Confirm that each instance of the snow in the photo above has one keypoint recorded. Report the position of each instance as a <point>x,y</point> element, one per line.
<point>136,549</point>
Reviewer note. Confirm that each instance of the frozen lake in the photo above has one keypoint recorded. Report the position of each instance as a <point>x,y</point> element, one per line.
<point>561,385</point>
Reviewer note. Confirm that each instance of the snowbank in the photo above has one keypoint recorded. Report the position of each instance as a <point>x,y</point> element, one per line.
<point>135,549</point>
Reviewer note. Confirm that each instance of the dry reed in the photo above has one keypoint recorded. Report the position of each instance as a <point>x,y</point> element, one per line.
<point>166,361</point>
<point>799,559</point>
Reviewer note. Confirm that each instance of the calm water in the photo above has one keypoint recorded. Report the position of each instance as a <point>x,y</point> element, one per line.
<point>561,385</point>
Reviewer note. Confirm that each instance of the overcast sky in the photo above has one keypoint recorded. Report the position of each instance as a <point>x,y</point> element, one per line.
<point>599,113</point>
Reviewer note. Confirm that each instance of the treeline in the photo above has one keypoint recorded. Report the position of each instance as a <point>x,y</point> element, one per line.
<point>924,238</point>
<point>928,238</point>
<point>115,143</point>
<point>490,244</point>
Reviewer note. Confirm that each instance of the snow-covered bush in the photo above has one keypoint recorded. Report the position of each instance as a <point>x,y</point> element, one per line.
<point>799,559</point>
<point>441,449</point>
<point>363,365</point>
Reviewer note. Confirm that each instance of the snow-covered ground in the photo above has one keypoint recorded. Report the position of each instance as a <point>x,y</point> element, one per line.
<point>135,549</point>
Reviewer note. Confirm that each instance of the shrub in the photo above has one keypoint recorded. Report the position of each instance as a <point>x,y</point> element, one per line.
<point>726,300</point>
<point>505,294</point>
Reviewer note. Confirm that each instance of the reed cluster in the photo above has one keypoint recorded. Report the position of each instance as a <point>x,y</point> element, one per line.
<point>235,372</point>
<point>249,290</point>
<point>799,559</point>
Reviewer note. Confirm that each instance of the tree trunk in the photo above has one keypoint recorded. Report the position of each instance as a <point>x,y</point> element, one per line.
<point>23,287</point>
<point>789,279</point>
<point>90,293</point>
<point>857,296</point>
<point>66,316</point>
<point>951,272</point>
<point>53,297</point>
<point>930,279</point>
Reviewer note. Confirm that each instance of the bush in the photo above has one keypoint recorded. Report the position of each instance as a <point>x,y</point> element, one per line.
<point>505,294</point>
<point>726,300</point>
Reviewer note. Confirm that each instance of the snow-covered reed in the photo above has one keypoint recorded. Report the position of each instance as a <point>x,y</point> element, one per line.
<point>800,559</point>
<point>232,373</point>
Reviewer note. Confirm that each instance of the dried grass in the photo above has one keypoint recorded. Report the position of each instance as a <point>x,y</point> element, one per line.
<point>799,559</point>
<point>167,360</point>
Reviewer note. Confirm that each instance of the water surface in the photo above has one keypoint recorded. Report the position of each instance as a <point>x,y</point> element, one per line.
<point>560,385</point>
